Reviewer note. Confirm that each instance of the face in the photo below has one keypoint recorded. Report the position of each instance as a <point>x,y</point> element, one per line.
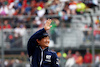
<point>77,53</point>
<point>44,42</point>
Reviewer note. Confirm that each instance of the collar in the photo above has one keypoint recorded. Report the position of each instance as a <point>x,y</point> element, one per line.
<point>43,49</point>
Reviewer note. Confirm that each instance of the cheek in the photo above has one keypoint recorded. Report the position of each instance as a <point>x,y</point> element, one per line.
<point>47,41</point>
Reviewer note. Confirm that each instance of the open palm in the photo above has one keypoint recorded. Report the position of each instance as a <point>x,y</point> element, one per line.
<point>47,25</point>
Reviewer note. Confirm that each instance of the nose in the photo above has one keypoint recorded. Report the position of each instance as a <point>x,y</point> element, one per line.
<point>48,40</point>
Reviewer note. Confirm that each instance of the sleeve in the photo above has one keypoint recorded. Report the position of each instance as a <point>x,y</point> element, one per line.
<point>55,60</point>
<point>31,45</point>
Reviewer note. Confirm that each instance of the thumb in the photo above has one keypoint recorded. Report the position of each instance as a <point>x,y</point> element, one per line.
<point>50,26</point>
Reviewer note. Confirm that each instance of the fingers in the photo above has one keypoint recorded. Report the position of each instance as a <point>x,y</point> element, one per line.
<point>49,21</point>
<point>47,26</point>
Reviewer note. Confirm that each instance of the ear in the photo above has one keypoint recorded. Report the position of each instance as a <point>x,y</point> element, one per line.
<point>37,41</point>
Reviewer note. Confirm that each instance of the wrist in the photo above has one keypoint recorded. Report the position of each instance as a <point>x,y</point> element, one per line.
<point>45,29</point>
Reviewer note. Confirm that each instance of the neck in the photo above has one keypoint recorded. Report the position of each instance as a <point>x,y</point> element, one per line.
<point>43,48</point>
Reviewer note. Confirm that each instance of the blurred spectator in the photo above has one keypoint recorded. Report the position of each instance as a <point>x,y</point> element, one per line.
<point>88,57</point>
<point>6,63</point>
<point>17,36</point>
<point>24,4</point>
<point>86,33</point>
<point>36,22</point>
<point>80,7</point>
<point>19,32</point>
<point>97,29</point>
<point>20,3</point>
<point>63,16</point>
<point>91,3</point>
<point>10,39</point>
<point>9,63</point>
<point>6,25</point>
<point>33,7</point>
<point>66,8</point>
<point>75,55</point>
<point>97,60</point>
<point>59,54</point>
<point>4,10</point>
<point>70,61</point>
<point>43,21</point>
<point>72,7</point>
<point>48,3</point>
<point>79,59</point>
<point>55,7</point>
<point>41,11</point>
<point>54,34</point>
<point>52,8</point>
<point>11,11</point>
<point>95,2</point>
<point>23,30</point>
<point>23,57</point>
<point>28,9</point>
<point>60,6</point>
<point>69,53</point>
<point>88,3</point>
<point>97,36</point>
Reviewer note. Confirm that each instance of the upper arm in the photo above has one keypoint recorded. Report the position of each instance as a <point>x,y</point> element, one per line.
<point>31,45</point>
<point>55,60</point>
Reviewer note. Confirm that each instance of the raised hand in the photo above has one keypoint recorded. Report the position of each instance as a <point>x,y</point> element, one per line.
<point>47,25</point>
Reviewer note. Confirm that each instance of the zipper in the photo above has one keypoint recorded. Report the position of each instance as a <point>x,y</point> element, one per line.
<point>41,58</point>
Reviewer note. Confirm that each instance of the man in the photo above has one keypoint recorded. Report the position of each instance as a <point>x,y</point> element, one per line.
<point>38,51</point>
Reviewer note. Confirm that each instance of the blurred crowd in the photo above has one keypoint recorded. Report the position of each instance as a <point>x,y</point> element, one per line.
<point>15,35</point>
<point>20,60</point>
<point>39,8</point>
<point>71,58</point>
<point>78,59</point>
<point>88,30</point>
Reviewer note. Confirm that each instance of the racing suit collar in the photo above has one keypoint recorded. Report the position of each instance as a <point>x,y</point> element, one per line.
<point>43,49</point>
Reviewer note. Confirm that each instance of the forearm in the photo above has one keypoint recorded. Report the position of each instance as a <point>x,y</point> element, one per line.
<point>39,31</point>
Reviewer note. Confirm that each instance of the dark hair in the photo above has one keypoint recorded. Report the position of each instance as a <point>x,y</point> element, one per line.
<point>42,37</point>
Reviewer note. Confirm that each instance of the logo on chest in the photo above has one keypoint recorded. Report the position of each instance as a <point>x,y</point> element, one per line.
<point>48,58</point>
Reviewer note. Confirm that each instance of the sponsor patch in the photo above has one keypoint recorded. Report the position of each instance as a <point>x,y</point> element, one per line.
<point>48,57</point>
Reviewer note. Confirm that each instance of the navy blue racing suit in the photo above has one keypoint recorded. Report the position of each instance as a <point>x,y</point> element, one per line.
<point>41,57</point>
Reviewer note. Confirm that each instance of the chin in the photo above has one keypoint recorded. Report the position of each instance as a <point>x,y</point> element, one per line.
<point>46,45</point>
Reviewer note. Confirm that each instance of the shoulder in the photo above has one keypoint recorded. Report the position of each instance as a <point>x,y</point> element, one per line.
<point>53,52</point>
